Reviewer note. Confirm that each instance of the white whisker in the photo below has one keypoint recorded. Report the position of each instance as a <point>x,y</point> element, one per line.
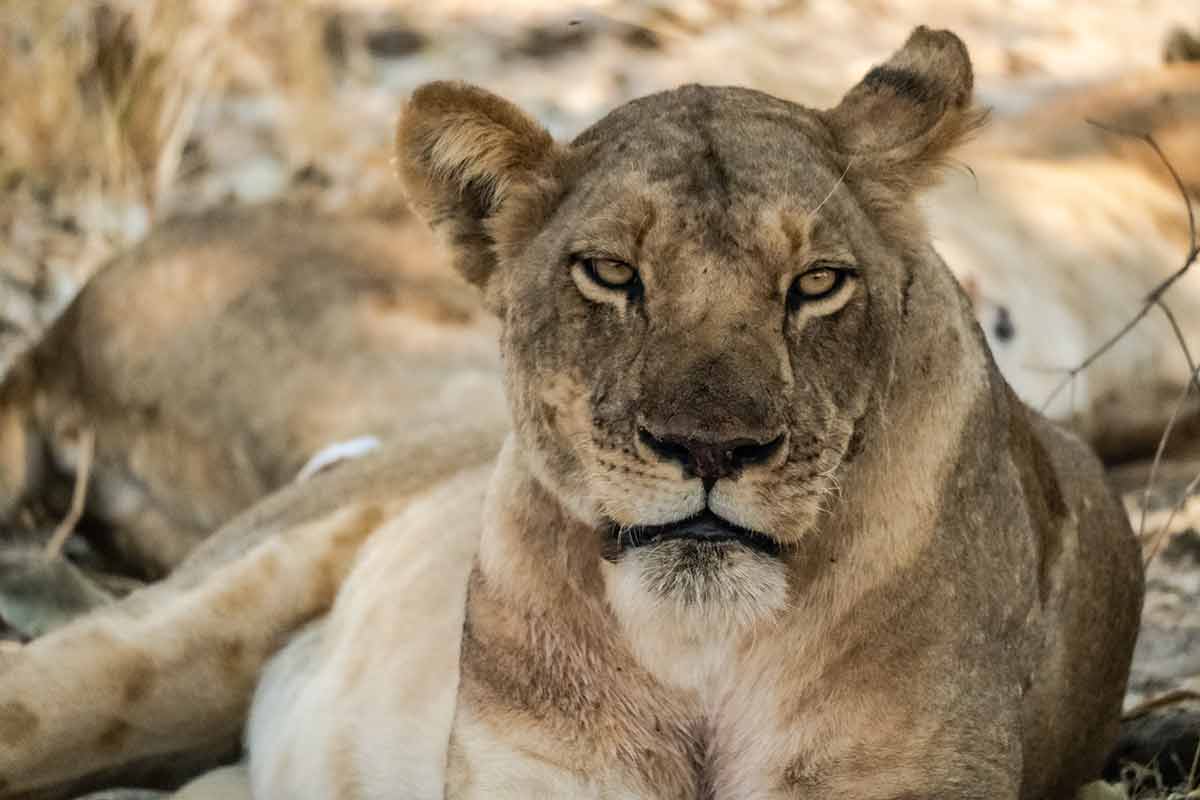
<point>836,184</point>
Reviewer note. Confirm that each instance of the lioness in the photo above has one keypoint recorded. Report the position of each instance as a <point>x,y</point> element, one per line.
<point>218,356</point>
<point>769,522</point>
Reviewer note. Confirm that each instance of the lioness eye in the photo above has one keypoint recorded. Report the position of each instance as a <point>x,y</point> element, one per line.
<point>816,284</point>
<point>609,273</point>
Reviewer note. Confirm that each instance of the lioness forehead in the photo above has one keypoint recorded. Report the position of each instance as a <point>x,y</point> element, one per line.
<point>716,145</point>
<point>730,173</point>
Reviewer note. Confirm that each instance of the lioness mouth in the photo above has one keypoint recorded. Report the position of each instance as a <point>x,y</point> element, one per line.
<point>705,527</point>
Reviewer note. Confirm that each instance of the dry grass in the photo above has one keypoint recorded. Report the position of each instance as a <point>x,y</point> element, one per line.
<point>120,112</point>
<point>105,94</point>
<point>101,102</point>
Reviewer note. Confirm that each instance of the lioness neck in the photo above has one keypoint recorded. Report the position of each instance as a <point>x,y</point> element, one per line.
<point>541,650</point>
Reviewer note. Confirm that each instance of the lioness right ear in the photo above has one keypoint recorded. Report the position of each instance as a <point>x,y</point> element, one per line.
<point>476,168</point>
<point>907,114</point>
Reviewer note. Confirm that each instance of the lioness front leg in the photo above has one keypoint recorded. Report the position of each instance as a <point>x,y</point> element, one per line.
<point>169,670</point>
<point>928,779</point>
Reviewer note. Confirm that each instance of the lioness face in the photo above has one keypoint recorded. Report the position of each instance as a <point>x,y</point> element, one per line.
<point>702,297</point>
<point>679,335</point>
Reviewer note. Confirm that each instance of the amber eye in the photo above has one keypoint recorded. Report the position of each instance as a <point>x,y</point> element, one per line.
<point>817,283</point>
<point>609,273</point>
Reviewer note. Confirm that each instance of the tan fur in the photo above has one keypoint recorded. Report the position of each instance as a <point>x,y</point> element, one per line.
<point>95,689</point>
<point>1164,102</point>
<point>942,595</point>
<point>1061,228</point>
<point>217,357</point>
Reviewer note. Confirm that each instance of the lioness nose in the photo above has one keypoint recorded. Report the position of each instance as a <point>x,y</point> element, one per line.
<point>711,461</point>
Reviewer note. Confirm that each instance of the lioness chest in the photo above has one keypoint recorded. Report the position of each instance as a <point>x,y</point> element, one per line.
<point>554,701</point>
<point>553,705</point>
<point>640,753</point>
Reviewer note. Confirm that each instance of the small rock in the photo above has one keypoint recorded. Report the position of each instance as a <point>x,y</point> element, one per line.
<point>1183,546</point>
<point>1181,46</point>
<point>311,174</point>
<point>551,41</point>
<point>641,38</point>
<point>38,594</point>
<point>395,42</point>
<point>1164,741</point>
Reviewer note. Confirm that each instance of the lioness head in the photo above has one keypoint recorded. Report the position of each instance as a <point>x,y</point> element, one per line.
<point>703,298</point>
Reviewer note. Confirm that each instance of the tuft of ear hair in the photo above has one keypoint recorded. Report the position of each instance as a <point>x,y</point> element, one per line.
<point>472,165</point>
<point>907,114</point>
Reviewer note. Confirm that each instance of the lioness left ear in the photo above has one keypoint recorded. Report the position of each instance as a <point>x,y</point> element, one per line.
<point>477,168</point>
<point>906,115</point>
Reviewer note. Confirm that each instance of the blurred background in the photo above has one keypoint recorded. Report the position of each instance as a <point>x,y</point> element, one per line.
<point>118,115</point>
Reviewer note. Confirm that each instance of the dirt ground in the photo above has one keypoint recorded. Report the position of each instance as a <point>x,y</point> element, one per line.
<point>121,114</point>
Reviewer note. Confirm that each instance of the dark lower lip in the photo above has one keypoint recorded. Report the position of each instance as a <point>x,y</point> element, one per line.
<point>704,528</point>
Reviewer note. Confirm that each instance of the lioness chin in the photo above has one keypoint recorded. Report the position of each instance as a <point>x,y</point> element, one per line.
<point>768,524</point>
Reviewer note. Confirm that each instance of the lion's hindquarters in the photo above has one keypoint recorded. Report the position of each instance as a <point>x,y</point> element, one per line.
<point>170,670</point>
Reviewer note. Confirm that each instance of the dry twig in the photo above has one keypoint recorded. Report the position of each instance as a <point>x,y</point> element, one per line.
<point>1154,297</point>
<point>87,447</point>
<point>1154,703</point>
<point>1161,535</point>
<point>1176,412</point>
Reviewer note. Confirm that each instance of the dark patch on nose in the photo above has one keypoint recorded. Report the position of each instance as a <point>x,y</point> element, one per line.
<point>711,461</point>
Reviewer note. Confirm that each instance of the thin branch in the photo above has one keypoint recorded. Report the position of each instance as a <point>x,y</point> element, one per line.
<point>1161,534</point>
<point>1166,162</point>
<point>1176,412</point>
<point>1183,345</point>
<point>1166,699</point>
<point>87,447</point>
<point>1155,294</point>
<point>1097,353</point>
